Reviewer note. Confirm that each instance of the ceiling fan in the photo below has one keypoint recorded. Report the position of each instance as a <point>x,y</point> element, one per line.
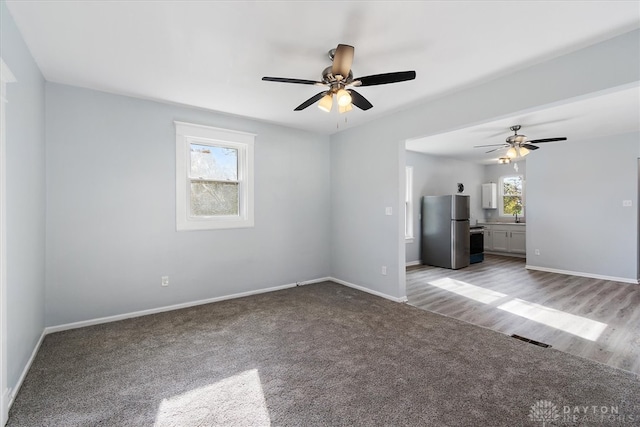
<point>338,79</point>
<point>518,145</point>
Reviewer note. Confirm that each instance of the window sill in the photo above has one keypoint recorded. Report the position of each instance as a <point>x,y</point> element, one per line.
<point>195,225</point>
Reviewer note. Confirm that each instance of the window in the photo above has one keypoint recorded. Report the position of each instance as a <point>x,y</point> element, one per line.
<point>408,205</point>
<point>214,178</point>
<point>512,195</point>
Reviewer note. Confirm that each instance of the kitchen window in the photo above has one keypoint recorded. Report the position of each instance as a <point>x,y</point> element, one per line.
<point>512,195</point>
<point>214,178</point>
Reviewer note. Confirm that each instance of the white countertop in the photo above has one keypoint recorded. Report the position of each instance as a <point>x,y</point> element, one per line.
<point>502,223</point>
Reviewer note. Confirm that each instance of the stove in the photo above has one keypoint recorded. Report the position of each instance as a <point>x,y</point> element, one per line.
<point>476,244</point>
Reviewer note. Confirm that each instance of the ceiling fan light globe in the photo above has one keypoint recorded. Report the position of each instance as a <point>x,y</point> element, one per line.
<point>511,153</point>
<point>345,108</point>
<point>326,103</point>
<point>344,98</point>
<point>523,151</point>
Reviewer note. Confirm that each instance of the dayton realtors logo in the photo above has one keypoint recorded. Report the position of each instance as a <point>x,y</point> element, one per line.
<point>543,411</point>
<point>546,412</point>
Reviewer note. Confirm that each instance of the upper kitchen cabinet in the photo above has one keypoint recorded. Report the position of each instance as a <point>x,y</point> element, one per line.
<point>489,196</point>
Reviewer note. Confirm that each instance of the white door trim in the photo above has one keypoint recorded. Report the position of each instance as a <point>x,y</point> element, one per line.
<point>6,76</point>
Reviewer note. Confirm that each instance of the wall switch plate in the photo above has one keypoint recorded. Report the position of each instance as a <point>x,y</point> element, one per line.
<point>384,270</point>
<point>165,280</point>
<point>626,203</point>
<point>537,251</point>
<point>388,210</point>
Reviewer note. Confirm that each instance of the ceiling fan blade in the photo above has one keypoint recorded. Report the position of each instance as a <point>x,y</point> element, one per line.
<point>342,60</point>
<point>538,141</point>
<point>383,79</point>
<point>287,80</point>
<point>313,99</point>
<point>495,149</point>
<point>490,145</point>
<point>530,147</point>
<point>359,100</point>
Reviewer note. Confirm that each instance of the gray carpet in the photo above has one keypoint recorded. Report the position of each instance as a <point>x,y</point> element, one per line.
<point>320,354</point>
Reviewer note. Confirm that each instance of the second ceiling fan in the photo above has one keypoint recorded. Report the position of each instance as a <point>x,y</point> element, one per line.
<point>518,145</point>
<point>339,81</point>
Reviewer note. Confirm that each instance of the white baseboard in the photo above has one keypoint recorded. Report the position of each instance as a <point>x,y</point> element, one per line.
<point>581,274</point>
<point>115,318</point>
<point>367,290</point>
<point>14,392</point>
<point>412,263</point>
<point>511,254</point>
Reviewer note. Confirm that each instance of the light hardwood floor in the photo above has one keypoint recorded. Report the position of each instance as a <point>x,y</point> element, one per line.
<point>591,318</point>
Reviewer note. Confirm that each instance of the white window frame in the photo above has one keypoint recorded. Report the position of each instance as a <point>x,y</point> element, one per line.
<point>501,195</point>
<point>408,205</point>
<point>188,133</point>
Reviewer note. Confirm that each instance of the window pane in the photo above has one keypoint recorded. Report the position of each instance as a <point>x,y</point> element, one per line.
<point>214,198</point>
<point>512,186</point>
<point>512,205</point>
<point>210,162</point>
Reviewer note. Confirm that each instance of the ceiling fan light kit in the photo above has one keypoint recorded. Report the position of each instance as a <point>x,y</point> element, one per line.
<point>518,145</point>
<point>338,77</point>
<point>326,102</point>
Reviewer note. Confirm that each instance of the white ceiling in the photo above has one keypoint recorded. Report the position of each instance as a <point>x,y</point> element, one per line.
<point>212,55</point>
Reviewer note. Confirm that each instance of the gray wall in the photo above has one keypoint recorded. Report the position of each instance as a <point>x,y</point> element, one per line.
<point>437,176</point>
<point>574,206</point>
<point>25,200</point>
<point>111,227</point>
<point>492,173</point>
<point>367,171</point>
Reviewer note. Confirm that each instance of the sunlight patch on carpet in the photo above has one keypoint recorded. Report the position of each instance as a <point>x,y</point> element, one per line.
<point>576,325</point>
<point>468,290</point>
<point>237,400</point>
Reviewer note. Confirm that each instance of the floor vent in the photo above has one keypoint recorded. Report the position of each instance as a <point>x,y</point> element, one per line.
<point>538,343</point>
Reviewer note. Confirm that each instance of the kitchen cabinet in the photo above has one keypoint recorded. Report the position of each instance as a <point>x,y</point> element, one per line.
<point>500,240</point>
<point>517,242</point>
<point>506,239</point>
<point>488,239</point>
<point>490,196</point>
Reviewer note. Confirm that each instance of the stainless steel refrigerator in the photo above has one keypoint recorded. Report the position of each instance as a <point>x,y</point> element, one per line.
<point>445,231</point>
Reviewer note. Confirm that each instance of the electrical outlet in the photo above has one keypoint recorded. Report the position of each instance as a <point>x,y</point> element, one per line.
<point>388,210</point>
<point>384,270</point>
<point>537,251</point>
<point>626,203</point>
<point>165,280</point>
